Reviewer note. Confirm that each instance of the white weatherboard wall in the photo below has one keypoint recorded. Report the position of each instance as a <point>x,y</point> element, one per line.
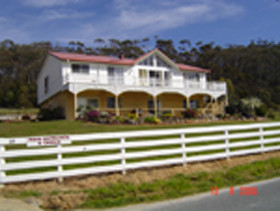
<point>118,154</point>
<point>52,69</point>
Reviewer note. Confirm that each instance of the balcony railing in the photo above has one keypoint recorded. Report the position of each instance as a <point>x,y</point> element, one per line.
<point>146,82</point>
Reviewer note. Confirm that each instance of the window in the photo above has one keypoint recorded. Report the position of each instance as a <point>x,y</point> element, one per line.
<point>93,103</point>
<point>151,107</point>
<point>194,104</point>
<point>147,62</point>
<point>115,75</point>
<point>155,78</point>
<point>161,63</point>
<point>80,68</point>
<point>184,103</point>
<point>193,76</point>
<point>142,73</point>
<point>111,102</point>
<point>46,84</point>
<point>206,99</point>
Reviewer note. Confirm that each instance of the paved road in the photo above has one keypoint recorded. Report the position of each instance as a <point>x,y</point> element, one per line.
<point>267,198</point>
<point>17,205</point>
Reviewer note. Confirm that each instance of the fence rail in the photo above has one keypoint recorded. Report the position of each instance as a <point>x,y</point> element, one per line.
<point>22,158</point>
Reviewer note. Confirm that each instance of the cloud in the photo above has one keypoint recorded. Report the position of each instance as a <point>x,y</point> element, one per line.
<point>156,16</point>
<point>59,14</point>
<point>134,19</point>
<point>3,19</point>
<point>48,3</point>
<point>120,19</point>
<point>163,18</point>
<point>10,31</point>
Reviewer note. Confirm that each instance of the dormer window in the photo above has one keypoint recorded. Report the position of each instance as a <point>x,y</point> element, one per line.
<point>80,68</point>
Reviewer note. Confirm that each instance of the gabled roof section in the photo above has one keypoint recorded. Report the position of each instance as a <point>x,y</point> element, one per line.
<point>123,61</point>
<point>182,67</point>
<point>159,53</point>
<point>91,58</point>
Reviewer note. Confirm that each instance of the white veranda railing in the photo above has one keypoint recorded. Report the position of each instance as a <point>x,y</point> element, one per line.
<point>45,157</point>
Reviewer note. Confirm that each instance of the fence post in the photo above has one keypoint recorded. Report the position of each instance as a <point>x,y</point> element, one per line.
<point>2,163</point>
<point>227,144</point>
<point>261,139</point>
<point>183,149</point>
<point>123,161</point>
<point>59,159</point>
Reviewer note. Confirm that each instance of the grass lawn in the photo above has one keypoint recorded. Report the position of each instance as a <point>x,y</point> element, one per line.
<point>17,129</point>
<point>18,111</point>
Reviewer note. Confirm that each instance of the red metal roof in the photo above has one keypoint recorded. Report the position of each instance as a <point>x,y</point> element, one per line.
<point>115,60</point>
<point>192,68</point>
<point>91,58</point>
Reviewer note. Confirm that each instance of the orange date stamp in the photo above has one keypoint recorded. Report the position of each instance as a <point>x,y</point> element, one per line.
<point>243,191</point>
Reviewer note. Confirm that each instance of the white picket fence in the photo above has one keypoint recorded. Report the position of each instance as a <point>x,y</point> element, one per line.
<point>179,146</point>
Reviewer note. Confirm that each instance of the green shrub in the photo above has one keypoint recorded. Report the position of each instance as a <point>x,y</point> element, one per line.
<point>58,113</point>
<point>189,114</point>
<point>166,115</point>
<point>271,115</point>
<point>152,119</point>
<point>47,114</point>
<point>220,116</point>
<point>230,109</point>
<point>26,117</point>
<point>132,116</point>
<point>261,111</point>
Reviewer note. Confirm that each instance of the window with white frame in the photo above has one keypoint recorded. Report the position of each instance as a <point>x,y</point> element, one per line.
<point>161,63</point>
<point>88,101</point>
<point>116,75</point>
<point>193,76</point>
<point>194,104</point>
<point>80,68</point>
<point>92,102</point>
<point>111,102</point>
<point>147,62</point>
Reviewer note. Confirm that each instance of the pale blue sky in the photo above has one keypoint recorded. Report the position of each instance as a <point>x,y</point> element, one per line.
<point>221,21</point>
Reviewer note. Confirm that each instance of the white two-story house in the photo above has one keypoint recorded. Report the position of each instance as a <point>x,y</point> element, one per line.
<point>150,84</point>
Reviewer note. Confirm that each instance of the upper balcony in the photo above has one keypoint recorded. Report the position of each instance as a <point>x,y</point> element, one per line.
<point>80,82</point>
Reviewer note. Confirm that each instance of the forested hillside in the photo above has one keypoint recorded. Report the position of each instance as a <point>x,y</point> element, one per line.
<point>250,71</point>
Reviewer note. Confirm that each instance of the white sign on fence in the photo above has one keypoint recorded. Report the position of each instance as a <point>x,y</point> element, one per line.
<point>47,141</point>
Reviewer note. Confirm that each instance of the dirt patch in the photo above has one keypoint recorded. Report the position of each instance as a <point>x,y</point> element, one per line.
<point>69,194</point>
<point>63,201</point>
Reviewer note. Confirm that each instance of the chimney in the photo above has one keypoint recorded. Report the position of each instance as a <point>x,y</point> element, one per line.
<point>121,55</point>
